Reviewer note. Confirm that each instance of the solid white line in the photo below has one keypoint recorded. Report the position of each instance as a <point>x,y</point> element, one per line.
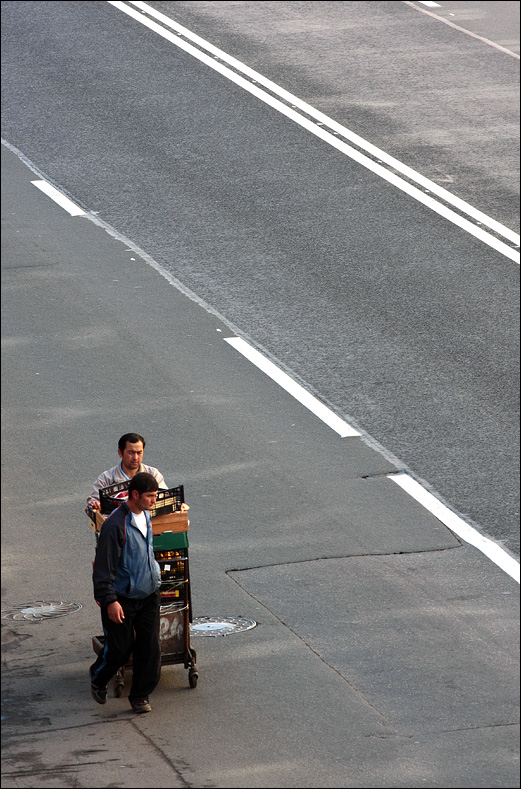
<point>457,525</point>
<point>298,392</point>
<point>408,172</point>
<point>462,29</point>
<point>59,198</point>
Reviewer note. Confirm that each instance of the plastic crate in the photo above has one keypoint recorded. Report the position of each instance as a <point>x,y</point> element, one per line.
<point>170,541</point>
<point>171,570</point>
<point>108,496</point>
<point>167,500</point>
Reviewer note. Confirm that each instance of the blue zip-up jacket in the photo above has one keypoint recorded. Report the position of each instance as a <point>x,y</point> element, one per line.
<point>124,563</point>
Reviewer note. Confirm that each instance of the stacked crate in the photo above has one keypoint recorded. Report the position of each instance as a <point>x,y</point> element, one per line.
<point>170,537</point>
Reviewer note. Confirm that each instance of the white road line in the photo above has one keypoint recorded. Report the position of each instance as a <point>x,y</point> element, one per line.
<point>408,172</point>
<point>297,391</point>
<point>457,525</point>
<point>59,198</point>
<point>443,513</point>
<point>487,41</point>
<point>429,3</point>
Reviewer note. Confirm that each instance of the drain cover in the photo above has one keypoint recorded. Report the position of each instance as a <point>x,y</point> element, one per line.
<point>220,625</point>
<point>39,610</point>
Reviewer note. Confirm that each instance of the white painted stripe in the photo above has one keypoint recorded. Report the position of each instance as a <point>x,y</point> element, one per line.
<point>462,29</point>
<point>430,3</point>
<point>59,198</point>
<point>408,172</point>
<point>295,390</point>
<point>457,525</point>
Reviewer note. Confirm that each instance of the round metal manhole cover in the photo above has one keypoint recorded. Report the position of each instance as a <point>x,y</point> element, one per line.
<point>220,625</point>
<point>39,610</point>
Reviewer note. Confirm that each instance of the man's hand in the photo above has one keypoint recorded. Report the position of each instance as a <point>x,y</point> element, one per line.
<point>94,504</point>
<point>115,612</point>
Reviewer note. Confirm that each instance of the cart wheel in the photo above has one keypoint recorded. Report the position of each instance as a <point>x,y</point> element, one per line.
<point>193,676</point>
<point>119,682</point>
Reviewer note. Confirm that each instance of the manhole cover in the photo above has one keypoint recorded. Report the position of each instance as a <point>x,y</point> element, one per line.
<point>39,610</point>
<point>220,625</point>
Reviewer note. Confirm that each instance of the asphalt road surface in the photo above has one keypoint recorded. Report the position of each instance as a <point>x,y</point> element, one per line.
<point>400,320</point>
<point>386,646</point>
<point>385,650</point>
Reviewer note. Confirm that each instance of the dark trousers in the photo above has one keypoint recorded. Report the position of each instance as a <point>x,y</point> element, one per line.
<point>137,635</point>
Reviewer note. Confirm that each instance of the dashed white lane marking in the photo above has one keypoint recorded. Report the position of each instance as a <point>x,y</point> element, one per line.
<point>429,3</point>
<point>58,197</point>
<point>457,525</point>
<point>296,390</point>
<point>320,120</point>
<point>453,522</point>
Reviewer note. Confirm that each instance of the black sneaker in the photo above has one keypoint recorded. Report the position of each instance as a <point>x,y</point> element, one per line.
<point>141,705</point>
<point>98,694</point>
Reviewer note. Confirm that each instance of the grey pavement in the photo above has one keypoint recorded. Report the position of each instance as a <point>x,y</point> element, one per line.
<point>405,323</point>
<point>386,650</point>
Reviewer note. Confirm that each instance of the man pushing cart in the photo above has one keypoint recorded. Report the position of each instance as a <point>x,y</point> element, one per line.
<point>142,584</point>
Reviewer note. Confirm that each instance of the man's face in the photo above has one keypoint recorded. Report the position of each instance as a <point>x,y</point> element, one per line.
<point>132,455</point>
<point>147,500</point>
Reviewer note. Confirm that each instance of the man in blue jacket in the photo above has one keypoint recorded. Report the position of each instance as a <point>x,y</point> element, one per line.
<point>126,581</point>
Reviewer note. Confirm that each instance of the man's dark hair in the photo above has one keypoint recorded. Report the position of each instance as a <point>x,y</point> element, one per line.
<point>143,482</point>
<point>130,438</point>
